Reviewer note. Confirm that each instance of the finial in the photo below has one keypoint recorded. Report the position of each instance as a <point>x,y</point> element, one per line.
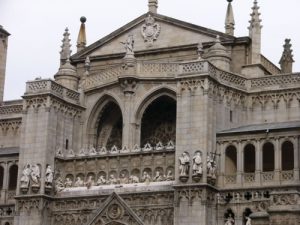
<point>65,52</point>
<point>81,40</point>
<point>286,61</point>
<point>229,20</point>
<point>255,20</point>
<point>153,5</point>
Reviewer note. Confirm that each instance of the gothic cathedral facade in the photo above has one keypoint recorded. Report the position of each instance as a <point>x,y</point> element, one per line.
<point>161,122</point>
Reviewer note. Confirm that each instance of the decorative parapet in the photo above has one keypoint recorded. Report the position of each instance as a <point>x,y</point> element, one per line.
<point>11,109</point>
<point>197,68</point>
<point>38,87</point>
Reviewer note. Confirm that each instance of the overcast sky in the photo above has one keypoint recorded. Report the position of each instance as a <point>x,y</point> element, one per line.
<point>36,28</point>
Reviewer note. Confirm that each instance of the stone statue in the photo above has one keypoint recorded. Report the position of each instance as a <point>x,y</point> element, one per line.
<point>48,176</point>
<point>129,45</point>
<point>169,176</point>
<point>112,179</point>
<point>90,182</point>
<point>101,180</point>
<point>248,220</point>
<point>133,179</point>
<point>25,179</point>
<point>146,177</point>
<point>123,179</point>
<point>197,164</point>
<point>68,182</point>
<point>184,166</point>
<point>35,175</point>
<point>158,177</point>
<point>229,220</point>
<point>78,182</point>
<point>59,185</point>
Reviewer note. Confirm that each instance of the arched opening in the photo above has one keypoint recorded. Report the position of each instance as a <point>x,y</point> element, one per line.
<point>1,177</point>
<point>268,157</point>
<point>110,126</point>
<point>249,158</point>
<point>159,122</point>
<point>287,155</point>
<point>231,160</point>
<point>13,176</point>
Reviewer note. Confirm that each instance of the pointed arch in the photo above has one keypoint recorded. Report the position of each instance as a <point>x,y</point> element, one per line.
<point>103,129</point>
<point>156,117</point>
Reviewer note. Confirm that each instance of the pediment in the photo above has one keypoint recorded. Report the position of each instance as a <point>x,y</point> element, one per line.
<point>166,32</point>
<point>115,211</point>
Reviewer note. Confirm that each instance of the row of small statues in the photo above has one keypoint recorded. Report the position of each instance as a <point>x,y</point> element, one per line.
<point>92,151</point>
<point>31,176</point>
<point>197,165</point>
<point>112,180</point>
<point>230,220</point>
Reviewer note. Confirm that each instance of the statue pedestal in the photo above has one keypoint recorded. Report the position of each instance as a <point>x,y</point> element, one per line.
<point>35,188</point>
<point>24,190</point>
<point>184,178</point>
<point>197,177</point>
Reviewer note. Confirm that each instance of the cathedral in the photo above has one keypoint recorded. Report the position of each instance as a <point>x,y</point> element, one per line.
<point>161,122</point>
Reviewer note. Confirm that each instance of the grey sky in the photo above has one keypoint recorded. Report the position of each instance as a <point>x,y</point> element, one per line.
<point>36,28</point>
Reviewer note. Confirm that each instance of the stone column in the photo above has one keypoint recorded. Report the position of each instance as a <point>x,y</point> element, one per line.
<point>240,163</point>
<point>128,127</point>
<point>222,166</point>
<point>258,163</point>
<point>277,152</point>
<point>5,183</point>
<point>296,158</point>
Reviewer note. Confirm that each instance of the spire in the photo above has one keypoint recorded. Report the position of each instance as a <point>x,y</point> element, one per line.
<point>153,5</point>
<point>229,20</point>
<point>255,34</point>
<point>65,52</point>
<point>81,40</point>
<point>286,61</point>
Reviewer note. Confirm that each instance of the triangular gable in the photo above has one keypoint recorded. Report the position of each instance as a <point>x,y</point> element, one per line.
<point>173,33</point>
<point>115,211</point>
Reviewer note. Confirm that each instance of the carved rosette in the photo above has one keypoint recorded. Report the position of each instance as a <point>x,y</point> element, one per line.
<point>150,30</point>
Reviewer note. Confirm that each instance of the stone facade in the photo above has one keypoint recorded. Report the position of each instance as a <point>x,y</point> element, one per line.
<point>161,122</point>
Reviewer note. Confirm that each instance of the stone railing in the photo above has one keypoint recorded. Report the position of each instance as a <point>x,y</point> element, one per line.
<point>51,87</point>
<point>249,177</point>
<point>7,211</point>
<point>10,109</point>
<point>287,175</point>
<point>276,81</point>
<point>269,66</point>
<point>114,151</point>
<point>178,70</point>
<point>230,179</point>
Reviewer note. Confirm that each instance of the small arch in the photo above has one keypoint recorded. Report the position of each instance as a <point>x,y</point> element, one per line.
<point>13,177</point>
<point>136,172</point>
<point>268,157</point>
<point>287,155</point>
<point>231,160</point>
<point>249,158</point>
<point>1,177</point>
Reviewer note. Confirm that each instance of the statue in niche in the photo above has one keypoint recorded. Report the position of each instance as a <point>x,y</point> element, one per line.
<point>123,178</point>
<point>79,182</point>
<point>184,164</point>
<point>211,167</point>
<point>48,176</point>
<point>35,175</point>
<point>133,179</point>
<point>197,164</point>
<point>146,178</point>
<point>229,220</point>
<point>25,178</point>
<point>158,177</point>
<point>112,179</point>
<point>101,180</point>
<point>90,182</point>
<point>248,220</point>
<point>59,185</point>
<point>169,176</point>
<point>68,182</point>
